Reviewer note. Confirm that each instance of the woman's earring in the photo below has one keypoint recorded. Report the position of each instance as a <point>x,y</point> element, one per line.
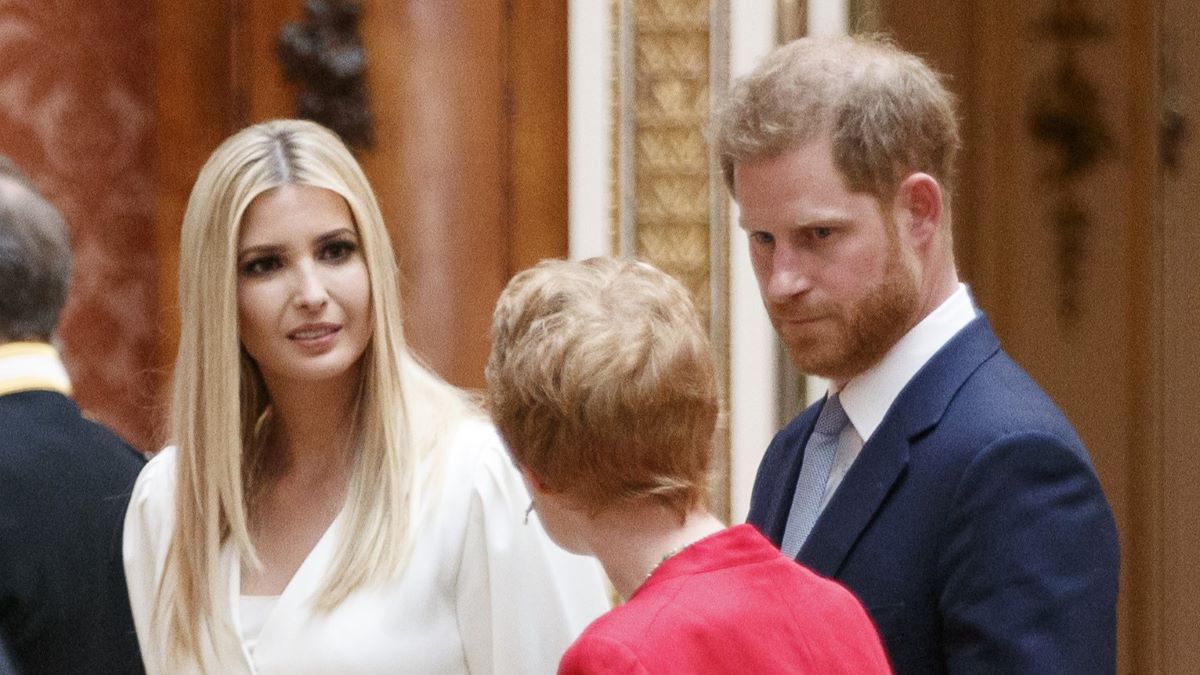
<point>528,511</point>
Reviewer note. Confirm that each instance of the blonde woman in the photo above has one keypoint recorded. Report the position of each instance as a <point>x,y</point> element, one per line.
<point>602,381</point>
<point>327,505</point>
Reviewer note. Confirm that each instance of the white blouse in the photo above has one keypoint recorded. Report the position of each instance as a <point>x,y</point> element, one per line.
<point>482,592</point>
<point>254,610</point>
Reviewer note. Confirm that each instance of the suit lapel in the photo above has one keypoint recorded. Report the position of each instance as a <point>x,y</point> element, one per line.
<point>880,464</point>
<point>885,456</point>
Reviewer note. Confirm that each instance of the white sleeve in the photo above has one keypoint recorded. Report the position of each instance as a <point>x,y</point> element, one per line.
<point>521,600</point>
<point>147,534</point>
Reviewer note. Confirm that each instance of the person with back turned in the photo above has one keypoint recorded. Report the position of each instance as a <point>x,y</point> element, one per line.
<point>64,480</point>
<point>603,385</point>
<point>935,480</point>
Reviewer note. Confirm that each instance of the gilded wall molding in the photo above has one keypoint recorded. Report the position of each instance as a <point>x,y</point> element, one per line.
<point>866,16</point>
<point>671,58</point>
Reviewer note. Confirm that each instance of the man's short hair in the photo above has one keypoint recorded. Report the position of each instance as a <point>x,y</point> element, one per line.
<point>886,112</point>
<point>35,260</point>
<point>601,381</point>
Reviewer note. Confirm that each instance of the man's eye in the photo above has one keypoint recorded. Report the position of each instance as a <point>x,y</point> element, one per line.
<point>822,232</point>
<point>762,238</point>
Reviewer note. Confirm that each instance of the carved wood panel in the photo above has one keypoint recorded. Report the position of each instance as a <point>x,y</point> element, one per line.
<point>469,162</point>
<point>1101,309</point>
<point>1176,582</point>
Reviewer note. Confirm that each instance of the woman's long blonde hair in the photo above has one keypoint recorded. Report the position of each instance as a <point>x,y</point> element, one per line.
<point>402,409</point>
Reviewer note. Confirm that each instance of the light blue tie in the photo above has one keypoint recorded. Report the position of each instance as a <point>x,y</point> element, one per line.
<point>814,473</point>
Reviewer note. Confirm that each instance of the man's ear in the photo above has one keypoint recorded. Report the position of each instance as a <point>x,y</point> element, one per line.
<point>918,207</point>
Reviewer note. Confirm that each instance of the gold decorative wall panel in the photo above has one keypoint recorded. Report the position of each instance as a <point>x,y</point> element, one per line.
<point>671,56</point>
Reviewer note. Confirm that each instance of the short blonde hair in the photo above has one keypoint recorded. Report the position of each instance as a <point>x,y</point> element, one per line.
<point>885,110</point>
<point>601,381</point>
<point>219,402</point>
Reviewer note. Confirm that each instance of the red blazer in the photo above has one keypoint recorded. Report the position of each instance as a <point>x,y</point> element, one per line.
<point>731,603</point>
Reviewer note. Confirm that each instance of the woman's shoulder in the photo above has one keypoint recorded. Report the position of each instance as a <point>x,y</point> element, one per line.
<point>473,443</point>
<point>158,475</point>
<point>476,464</point>
<point>152,502</point>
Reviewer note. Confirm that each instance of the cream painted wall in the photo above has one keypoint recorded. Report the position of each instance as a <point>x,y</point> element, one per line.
<point>589,116</point>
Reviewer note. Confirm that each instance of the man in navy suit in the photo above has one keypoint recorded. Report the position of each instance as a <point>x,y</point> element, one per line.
<point>935,480</point>
<point>64,480</point>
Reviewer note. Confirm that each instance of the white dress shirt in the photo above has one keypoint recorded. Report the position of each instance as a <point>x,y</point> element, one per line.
<point>868,397</point>
<point>482,592</point>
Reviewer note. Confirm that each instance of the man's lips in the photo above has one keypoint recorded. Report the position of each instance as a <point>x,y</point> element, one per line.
<point>796,320</point>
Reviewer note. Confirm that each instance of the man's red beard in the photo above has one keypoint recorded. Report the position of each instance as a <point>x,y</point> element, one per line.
<point>862,333</point>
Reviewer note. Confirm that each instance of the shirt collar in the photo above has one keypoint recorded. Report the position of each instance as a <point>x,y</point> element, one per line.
<point>868,397</point>
<point>32,366</point>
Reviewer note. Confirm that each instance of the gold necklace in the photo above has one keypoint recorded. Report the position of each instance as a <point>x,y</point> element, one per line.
<point>673,552</point>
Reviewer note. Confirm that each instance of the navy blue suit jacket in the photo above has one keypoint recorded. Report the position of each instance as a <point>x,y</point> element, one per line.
<point>972,525</point>
<point>64,485</point>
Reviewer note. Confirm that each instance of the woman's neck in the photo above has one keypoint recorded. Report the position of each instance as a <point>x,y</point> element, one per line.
<point>632,542</point>
<point>312,428</point>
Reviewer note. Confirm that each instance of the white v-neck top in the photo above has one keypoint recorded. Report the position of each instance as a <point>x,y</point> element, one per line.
<point>482,592</point>
<point>253,611</point>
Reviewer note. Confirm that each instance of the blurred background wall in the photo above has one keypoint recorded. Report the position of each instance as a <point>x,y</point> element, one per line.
<point>77,115</point>
<point>1075,212</point>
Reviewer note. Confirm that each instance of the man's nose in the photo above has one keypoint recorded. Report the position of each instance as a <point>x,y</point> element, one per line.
<point>790,274</point>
